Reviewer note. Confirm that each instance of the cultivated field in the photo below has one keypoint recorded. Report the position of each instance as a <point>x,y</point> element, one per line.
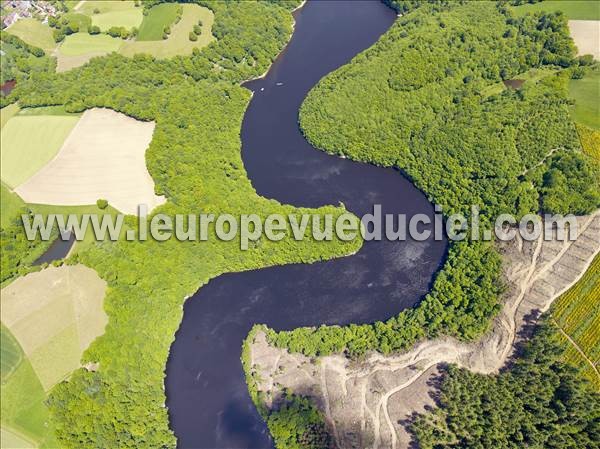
<point>10,353</point>
<point>590,141</point>
<point>586,34</point>
<point>156,20</point>
<point>117,14</point>
<point>34,32</point>
<point>573,9</point>
<point>178,42</point>
<point>24,415</point>
<point>586,93</point>
<point>104,157</point>
<point>29,143</point>
<point>55,314</point>
<point>77,49</point>
<point>577,314</point>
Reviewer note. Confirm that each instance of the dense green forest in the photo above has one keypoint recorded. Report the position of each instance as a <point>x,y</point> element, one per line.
<point>295,423</point>
<point>457,146</point>
<point>19,59</point>
<point>417,101</point>
<point>539,403</point>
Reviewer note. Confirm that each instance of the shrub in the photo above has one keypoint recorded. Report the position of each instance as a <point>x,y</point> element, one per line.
<point>197,30</point>
<point>193,36</point>
<point>96,11</point>
<point>102,204</point>
<point>94,29</point>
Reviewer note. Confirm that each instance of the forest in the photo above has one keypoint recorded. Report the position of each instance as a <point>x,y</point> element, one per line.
<point>194,158</point>
<point>457,146</point>
<point>539,403</point>
<point>417,101</point>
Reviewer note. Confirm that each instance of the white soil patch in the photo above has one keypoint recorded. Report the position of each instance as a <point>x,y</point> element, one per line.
<point>103,157</point>
<point>55,314</point>
<point>369,403</point>
<point>586,34</point>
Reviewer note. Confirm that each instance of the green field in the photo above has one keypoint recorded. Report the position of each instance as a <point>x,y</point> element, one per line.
<point>178,42</point>
<point>586,93</point>
<point>29,143</point>
<point>532,76</point>
<point>10,204</point>
<point>123,17</point>
<point>10,353</point>
<point>34,33</point>
<point>573,9</point>
<point>577,314</point>
<point>23,408</point>
<point>82,43</point>
<point>7,112</point>
<point>103,6</point>
<point>157,19</point>
<point>80,19</point>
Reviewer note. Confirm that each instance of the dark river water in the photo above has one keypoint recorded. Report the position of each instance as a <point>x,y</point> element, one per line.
<point>209,406</point>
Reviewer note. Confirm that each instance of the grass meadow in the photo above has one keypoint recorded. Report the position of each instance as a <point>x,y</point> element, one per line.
<point>29,143</point>
<point>577,314</point>
<point>7,113</point>
<point>34,33</point>
<point>123,17</point>
<point>586,93</point>
<point>83,43</point>
<point>157,19</point>
<point>178,42</point>
<point>22,407</point>
<point>573,9</point>
<point>10,353</point>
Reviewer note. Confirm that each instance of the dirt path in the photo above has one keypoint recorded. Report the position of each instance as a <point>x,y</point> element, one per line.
<point>368,403</point>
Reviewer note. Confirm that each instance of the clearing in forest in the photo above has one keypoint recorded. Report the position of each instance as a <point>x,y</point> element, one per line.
<point>586,93</point>
<point>117,14</point>
<point>178,42</point>
<point>77,49</point>
<point>573,9</point>
<point>156,20</point>
<point>103,157</point>
<point>34,33</point>
<point>55,314</point>
<point>29,143</point>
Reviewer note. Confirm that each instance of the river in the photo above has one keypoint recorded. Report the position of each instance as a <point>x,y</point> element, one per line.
<point>209,406</point>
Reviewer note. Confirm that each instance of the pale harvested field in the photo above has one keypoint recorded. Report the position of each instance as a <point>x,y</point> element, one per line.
<point>55,314</point>
<point>586,34</point>
<point>103,157</point>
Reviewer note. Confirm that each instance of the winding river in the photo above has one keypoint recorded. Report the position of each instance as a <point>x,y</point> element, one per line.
<point>209,406</point>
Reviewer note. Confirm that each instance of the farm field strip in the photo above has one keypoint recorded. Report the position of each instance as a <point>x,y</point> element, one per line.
<point>29,143</point>
<point>577,314</point>
<point>178,42</point>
